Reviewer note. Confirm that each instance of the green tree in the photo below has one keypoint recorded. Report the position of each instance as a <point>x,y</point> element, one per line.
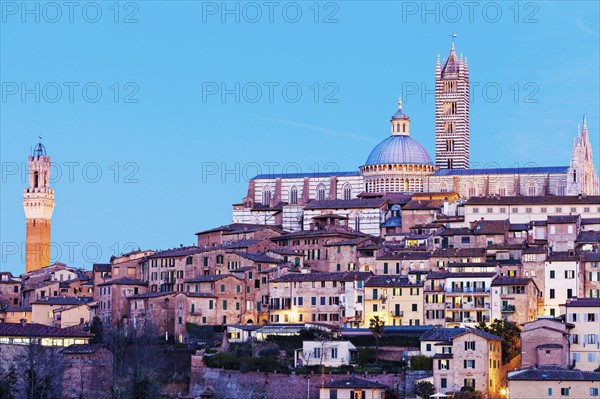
<point>96,329</point>
<point>424,389</point>
<point>509,332</point>
<point>376,325</point>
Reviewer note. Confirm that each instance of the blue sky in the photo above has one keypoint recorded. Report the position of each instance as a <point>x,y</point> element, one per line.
<point>130,100</point>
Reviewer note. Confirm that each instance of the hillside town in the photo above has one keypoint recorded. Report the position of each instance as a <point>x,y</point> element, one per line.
<point>408,278</point>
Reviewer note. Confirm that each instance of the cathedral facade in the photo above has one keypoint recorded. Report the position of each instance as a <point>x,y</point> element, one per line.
<point>400,165</point>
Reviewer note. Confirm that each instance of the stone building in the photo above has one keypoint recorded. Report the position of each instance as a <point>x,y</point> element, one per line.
<point>515,299</point>
<point>87,372</point>
<point>395,299</point>
<point>584,315</point>
<point>552,382</point>
<point>10,290</point>
<point>545,341</point>
<point>400,164</point>
<point>464,357</point>
<point>113,305</point>
<point>336,298</point>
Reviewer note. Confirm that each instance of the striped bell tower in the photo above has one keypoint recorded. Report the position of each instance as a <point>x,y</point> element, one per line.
<point>38,203</point>
<point>452,112</point>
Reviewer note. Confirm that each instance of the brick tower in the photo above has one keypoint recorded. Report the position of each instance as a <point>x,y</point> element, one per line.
<point>452,112</point>
<point>38,203</point>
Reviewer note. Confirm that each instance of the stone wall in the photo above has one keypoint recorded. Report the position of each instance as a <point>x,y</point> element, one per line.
<point>254,385</point>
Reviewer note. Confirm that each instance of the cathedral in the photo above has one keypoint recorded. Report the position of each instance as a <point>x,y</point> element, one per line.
<point>401,166</point>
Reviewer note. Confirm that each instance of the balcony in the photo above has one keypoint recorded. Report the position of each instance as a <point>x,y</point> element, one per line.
<point>508,309</point>
<point>397,314</point>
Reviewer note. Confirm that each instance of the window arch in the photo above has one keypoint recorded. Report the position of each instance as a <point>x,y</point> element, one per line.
<point>502,190</point>
<point>443,188</point>
<point>266,195</point>
<point>321,192</point>
<point>293,195</point>
<point>472,190</point>
<point>561,189</point>
<point>347,191</point>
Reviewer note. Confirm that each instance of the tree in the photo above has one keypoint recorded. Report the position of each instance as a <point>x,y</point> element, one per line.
<point>509,332</point>
<point>468,393</point>
<point>424,389</point>
<point>376,325</point>
<point>96,329</point>
<point>8,384</point>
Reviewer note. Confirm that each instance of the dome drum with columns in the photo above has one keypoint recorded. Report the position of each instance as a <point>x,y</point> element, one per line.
<point>399,163</point>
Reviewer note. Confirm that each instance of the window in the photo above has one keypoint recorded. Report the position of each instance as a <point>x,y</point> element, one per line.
<point>593,391</point>
<point>266,195</point>
<point>347,191</point>
<point>428,347</point>
<point>443,364</point>
<point>294,195</point>
<point>552,274</point>
<point>549,391</point>
<point>317,353</point>
<point>569,274</point>
<point>564,391</point>
<point>469,364</point>
<point>333,394</point>
<point>224,305</point>
<point>552,293</point>
<point>414,307</point>
<point>470,345</point>
<point>465,240</point>
<point>321,192</point>
<point>444,383</point>
<point>591,317</point>
<point>470,382</point>
<point>591,357</point>
<point>334,353</point>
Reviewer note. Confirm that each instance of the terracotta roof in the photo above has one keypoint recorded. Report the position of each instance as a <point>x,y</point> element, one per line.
<point>433,275</point>
<point>554,374</point>
<point>354,382</point>
<point>458,252</point>
<point>63,301</point>
<point>391,281</point>
<point>101,267</point>
<point>589,236</point>
<point>534,200</point>
<point>347,204</point>
<point>563,219</point>
<point>506,280</point>
<point>210,278</point>
<point>124,281</point>
<point>449,334</point>
<point>331,276</point>
<point>423,205</point>
<point>151,295</point>
<point>40,330</point>
<point>583,302</point>
<point>562,257</point>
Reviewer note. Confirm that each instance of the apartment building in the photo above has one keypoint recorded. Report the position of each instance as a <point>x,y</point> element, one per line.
<point>396,300</point>
<point>464,357</point>
<point>584,314</point>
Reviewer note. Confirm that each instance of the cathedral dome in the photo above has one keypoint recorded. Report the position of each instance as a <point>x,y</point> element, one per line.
<point>399,150</point>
